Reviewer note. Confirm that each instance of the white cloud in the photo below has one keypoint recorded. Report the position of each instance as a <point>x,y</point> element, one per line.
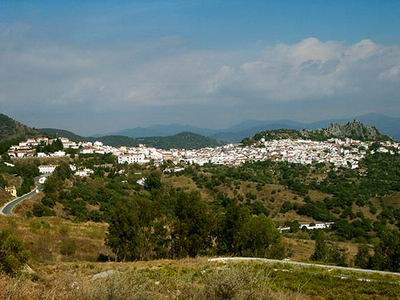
<point>166,73</point>
<point>391,74</point>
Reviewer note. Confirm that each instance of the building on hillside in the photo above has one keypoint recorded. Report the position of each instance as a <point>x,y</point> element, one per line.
<point>11,190</point>
<point>132,159</point>
<point>84,173</point>
<point>58,154</point>
<point>47,169</point>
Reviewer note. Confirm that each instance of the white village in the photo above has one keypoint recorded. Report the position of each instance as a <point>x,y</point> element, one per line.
<point>340,153</point>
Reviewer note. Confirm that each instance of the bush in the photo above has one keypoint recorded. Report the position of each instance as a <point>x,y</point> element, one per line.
<point>327,252</point>
<point>13,255</point>
<point>68,247</point>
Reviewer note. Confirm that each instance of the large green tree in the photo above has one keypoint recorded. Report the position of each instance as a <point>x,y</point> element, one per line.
<point>259,237</point>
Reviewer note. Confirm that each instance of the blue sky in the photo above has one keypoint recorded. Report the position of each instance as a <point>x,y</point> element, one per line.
<point>98,66</point>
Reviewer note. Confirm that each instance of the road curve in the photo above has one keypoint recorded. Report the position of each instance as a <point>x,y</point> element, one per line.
<point>290,262</point>
<point>8,208</point>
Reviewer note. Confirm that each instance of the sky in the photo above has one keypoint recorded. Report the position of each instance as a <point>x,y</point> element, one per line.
<point>100,66</point>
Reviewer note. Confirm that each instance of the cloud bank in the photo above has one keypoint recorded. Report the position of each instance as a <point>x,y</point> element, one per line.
<point>165,73</point>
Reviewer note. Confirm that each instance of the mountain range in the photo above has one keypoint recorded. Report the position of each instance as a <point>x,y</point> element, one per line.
<point>186,140</point>
<point>386,124</point>
<point>189,137</point>
<point>12,132</point>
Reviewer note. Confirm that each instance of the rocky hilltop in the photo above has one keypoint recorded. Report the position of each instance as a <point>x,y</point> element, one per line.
<point>354,130</point>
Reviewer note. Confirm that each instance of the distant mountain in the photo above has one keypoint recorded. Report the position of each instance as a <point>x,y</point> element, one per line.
<point>355,130</point>
<point>186,140</point>
<point>234,134</point>
<point>163,130</point>
<point>183,140</point>
<point>238,132</point>
<point>63,133</point>
<point>385,124</point>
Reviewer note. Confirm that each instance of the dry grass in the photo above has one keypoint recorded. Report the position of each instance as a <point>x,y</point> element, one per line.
<point>44,237</point>
<point>302,249</point>
<point>27,205</point>
<point>193,279</point>
<point>392,200</point>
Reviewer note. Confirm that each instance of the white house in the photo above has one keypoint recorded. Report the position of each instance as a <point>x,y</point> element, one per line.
<point>58,154</point>
<point>84,173</point>
<point>132,159</point>
<point>47,169</point>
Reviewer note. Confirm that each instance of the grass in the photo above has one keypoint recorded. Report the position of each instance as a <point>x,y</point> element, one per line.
<point>195,279</point>
<point>45,237</point>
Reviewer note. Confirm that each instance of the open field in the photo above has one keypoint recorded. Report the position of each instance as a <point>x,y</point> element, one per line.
<point>46,237</point>
<point>196,279</point>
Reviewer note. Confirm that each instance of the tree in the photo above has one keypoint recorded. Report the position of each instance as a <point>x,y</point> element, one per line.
<point>40,210</point>
<point>63,171</point>
<point>294,226</point>
<point>387,252</point>
<point>363,258</point>
<point>232,219</point>
<point>3,182</point>
<point>13,255</point>
<point>193,226</point>
<point>153,181</point>
<point>259,237</point>
<point>327,252</point>
<point>127,235</point>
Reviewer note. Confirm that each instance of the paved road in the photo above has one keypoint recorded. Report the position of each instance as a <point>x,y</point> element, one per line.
<point>8,208</point>
<point>273,261</point>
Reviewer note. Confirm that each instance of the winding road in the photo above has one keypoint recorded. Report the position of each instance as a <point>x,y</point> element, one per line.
<point>8,208</point>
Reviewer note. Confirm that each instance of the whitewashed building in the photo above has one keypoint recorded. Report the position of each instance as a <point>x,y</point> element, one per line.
<point>47,169</point>
<point>132,159</point>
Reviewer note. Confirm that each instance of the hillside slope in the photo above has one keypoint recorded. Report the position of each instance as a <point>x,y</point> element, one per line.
<point>186,140</point>
<point>11,129</point>
<point>62,133</point>
<point>385,124</point>
<point>13,132</point>
<point>354,130</point>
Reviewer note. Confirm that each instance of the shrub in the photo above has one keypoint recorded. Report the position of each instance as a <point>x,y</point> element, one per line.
<point>68,247</point>
<point>327,252</point>
<point>13,255</point>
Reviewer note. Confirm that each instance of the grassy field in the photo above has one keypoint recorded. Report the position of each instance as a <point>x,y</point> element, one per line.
<point>195,279</point>
<point>52,239</point>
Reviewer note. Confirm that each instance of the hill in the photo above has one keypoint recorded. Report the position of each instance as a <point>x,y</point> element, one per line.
<point>162,130</point>
<point>11,129</point>
<point>183,140</point>
<point>355,130</point>
<point>186,140</point>
<point>62,133</point>
<point>387,125</point>
<point>233,134</point>
<point>13,132</point>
